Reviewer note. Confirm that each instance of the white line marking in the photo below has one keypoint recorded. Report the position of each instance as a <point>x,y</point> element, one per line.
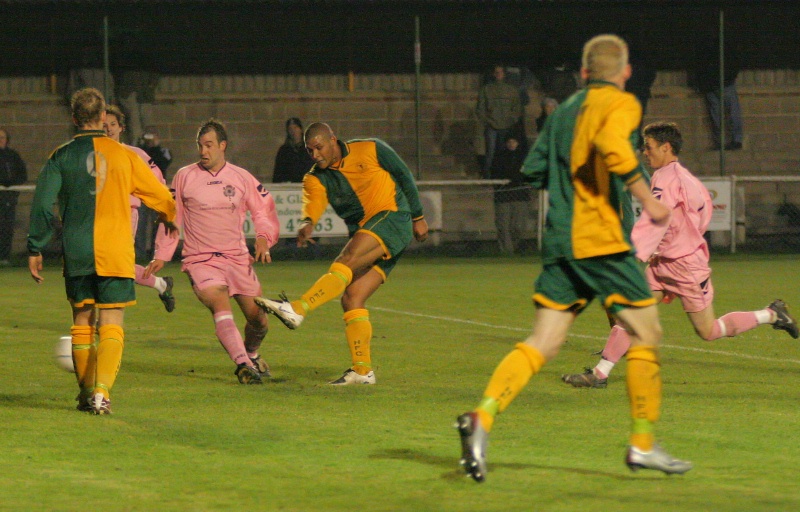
<point>586,336</point>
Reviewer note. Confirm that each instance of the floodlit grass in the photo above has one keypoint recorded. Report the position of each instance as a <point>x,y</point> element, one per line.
<point>186,436</point>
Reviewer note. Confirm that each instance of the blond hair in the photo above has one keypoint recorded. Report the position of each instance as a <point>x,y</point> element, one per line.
<point>604,56</point>
<point>87,106</point>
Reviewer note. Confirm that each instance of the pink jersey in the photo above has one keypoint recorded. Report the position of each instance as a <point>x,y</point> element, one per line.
<point>690,204</point>
<point>211,210</point>
<point>135,201</point>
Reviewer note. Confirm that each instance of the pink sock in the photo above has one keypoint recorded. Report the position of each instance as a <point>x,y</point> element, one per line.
<point>229,336</point>
<point>732,324</point>
<point>140,280</point>
<point>617,344</point>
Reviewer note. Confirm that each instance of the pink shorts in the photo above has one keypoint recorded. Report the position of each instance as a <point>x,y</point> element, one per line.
<point>240,278</point>
<point>688,277</point>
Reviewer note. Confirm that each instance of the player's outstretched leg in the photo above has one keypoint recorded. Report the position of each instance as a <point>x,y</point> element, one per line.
<point>473,445</point>
<point>657,459</point>
<point>784,321</point>
<point>329,286</point>
<point>282,309</point>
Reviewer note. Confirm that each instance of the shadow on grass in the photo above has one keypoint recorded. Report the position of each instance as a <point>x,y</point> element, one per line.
<point>457,473</point>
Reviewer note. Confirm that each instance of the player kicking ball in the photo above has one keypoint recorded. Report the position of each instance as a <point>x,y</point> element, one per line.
<point>383,216</point>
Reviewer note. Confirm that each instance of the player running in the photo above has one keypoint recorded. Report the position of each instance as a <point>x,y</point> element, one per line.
<point>677,256</point>
<point>585,159</point>
<point>213,198</point>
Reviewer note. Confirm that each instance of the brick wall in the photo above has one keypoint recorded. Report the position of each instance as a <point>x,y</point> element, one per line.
<point>256,107</point>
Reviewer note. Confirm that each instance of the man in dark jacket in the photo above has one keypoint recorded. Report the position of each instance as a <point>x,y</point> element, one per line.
<point>12,172</point>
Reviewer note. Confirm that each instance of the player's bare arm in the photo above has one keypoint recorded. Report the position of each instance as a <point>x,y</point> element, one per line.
<point>657,211</point>
<point>35,266</point>
<point>421,230</point>
<point>153,267</point>
<point>304,234</point>
<point>262,250</point>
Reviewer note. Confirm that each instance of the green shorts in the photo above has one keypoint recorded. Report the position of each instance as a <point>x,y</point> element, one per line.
<point>105,292</point>
<point>616,281</point>
<point>394,232</point>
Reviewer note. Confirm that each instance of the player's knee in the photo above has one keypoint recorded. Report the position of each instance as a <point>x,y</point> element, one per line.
<point>350,302</point>
<point>651,335</point>
<point>547,347</point>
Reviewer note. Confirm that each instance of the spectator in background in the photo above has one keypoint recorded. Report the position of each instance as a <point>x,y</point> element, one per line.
<point>522,78</point>
<point>135,89</point>
<point>549,106</point>
<point>12,172</point>
<point>499,109</point>
<point>292,161</point>
<point>559,82</point>
<point>511,201</point>
<point>150,143</point>
<point>708,84</point>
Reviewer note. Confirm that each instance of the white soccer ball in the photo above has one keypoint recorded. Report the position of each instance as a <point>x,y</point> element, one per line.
<point>63,354</point>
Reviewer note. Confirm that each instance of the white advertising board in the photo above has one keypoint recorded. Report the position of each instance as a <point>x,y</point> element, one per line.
<point>288,205</point>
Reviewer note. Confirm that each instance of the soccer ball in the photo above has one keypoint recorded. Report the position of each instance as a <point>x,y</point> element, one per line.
<point>63,354</point>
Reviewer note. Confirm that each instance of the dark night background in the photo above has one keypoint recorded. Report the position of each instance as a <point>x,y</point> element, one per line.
<point>41,37</point>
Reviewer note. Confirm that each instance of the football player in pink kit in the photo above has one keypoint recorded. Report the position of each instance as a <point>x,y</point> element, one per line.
<point>677,257</point>
<point>114,126</point>
<point>213,197</point>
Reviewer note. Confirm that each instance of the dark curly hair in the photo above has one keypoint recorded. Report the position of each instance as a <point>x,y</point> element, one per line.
<point>665,132</point>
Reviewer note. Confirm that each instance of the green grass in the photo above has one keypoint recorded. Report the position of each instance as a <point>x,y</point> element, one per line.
<point>186,436</point>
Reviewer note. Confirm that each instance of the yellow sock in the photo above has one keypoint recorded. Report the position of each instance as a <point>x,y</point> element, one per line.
<point>644,392</point>
<point>358,331</point>
<point>109,357</point>
<point>84,356</point>
<point>327,287</point>
<point>510,376</point>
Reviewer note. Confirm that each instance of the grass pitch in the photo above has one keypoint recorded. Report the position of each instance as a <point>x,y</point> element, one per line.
<point>186,436</point>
